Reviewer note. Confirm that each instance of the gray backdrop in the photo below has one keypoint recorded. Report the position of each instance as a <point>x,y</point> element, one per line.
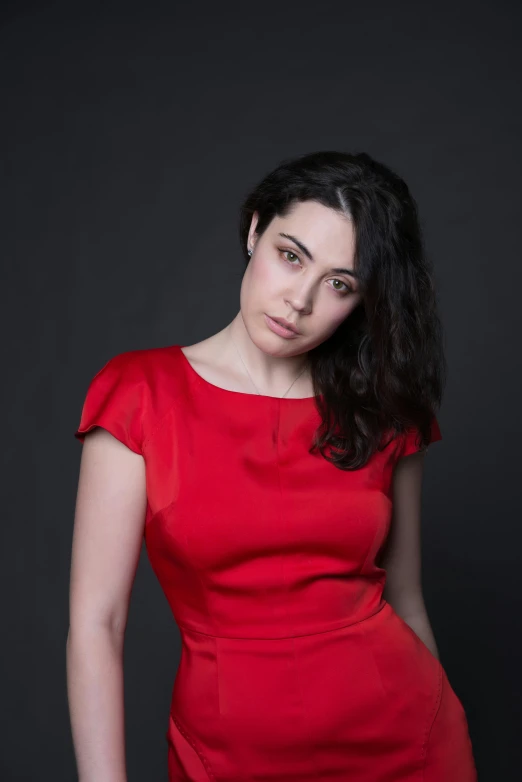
<point>130,132</point>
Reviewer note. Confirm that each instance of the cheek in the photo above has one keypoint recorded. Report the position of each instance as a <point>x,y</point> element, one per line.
<point>333,315</point>
<point>263,277</point>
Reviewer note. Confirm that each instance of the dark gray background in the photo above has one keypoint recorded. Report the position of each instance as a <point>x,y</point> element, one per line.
<point>130,132</point>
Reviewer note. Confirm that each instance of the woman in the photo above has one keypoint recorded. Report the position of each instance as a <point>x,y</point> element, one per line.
<point>275,471</point>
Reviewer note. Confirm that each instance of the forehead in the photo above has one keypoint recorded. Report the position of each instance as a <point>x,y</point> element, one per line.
<point>328,234</point>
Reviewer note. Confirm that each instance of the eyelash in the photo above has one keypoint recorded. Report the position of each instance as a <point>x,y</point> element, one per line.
<point>341,293</point>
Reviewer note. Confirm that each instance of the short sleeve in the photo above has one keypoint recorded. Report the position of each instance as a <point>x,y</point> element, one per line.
<point>410,442</point>
<point>114,401</point>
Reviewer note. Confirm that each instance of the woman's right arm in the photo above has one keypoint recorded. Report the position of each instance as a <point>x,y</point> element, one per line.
<point>107,537</point>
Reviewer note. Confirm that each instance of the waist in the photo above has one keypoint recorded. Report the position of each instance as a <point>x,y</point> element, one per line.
<point>284,624</point>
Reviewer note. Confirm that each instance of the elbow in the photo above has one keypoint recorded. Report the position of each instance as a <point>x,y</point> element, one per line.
<point>83,634</point>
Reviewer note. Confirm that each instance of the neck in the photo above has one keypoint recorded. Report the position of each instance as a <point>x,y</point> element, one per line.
<point>269,372</point>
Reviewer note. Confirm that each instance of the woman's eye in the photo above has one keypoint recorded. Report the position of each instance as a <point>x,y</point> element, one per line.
<point>289,252</point>
<point>346,288</point>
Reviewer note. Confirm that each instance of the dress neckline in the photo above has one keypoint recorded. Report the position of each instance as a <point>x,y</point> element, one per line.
<point>222,390</point>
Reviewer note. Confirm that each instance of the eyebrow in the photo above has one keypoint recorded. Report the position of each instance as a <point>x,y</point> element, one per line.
<point>309,255</point>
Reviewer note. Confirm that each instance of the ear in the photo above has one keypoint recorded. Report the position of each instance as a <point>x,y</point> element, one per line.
<point>252,230</point>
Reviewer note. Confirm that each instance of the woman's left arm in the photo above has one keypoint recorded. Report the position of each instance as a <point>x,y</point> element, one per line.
<point>401,557</point>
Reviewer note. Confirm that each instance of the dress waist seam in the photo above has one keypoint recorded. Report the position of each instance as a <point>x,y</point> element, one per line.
<point>283,637</point>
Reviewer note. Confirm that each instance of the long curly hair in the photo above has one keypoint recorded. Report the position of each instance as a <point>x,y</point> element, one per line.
<point>383,371</point>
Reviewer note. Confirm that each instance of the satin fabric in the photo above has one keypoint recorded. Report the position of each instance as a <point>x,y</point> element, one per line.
<point>293,666</point>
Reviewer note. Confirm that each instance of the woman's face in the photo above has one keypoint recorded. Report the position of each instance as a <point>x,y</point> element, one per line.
<point>281,281</point>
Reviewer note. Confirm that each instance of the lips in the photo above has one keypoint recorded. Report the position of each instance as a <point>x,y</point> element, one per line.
<point>277,327</point>
<point>286,324</point>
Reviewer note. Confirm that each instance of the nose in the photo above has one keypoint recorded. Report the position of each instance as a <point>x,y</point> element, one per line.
<point>300,302</point>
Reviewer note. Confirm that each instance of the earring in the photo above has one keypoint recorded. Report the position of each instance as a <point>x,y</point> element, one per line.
<point>249,251</point>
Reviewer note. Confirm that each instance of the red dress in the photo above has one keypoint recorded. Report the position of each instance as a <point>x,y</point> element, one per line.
<point>293,666</point>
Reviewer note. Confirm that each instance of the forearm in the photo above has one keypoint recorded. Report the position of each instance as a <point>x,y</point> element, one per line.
<point>96,704</point>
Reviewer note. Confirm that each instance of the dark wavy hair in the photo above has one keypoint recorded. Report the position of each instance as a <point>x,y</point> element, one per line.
<point>383,370</point>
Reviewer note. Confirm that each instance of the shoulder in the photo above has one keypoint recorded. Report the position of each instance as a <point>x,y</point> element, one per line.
<point>130,393</point>
<point>146,367</point>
